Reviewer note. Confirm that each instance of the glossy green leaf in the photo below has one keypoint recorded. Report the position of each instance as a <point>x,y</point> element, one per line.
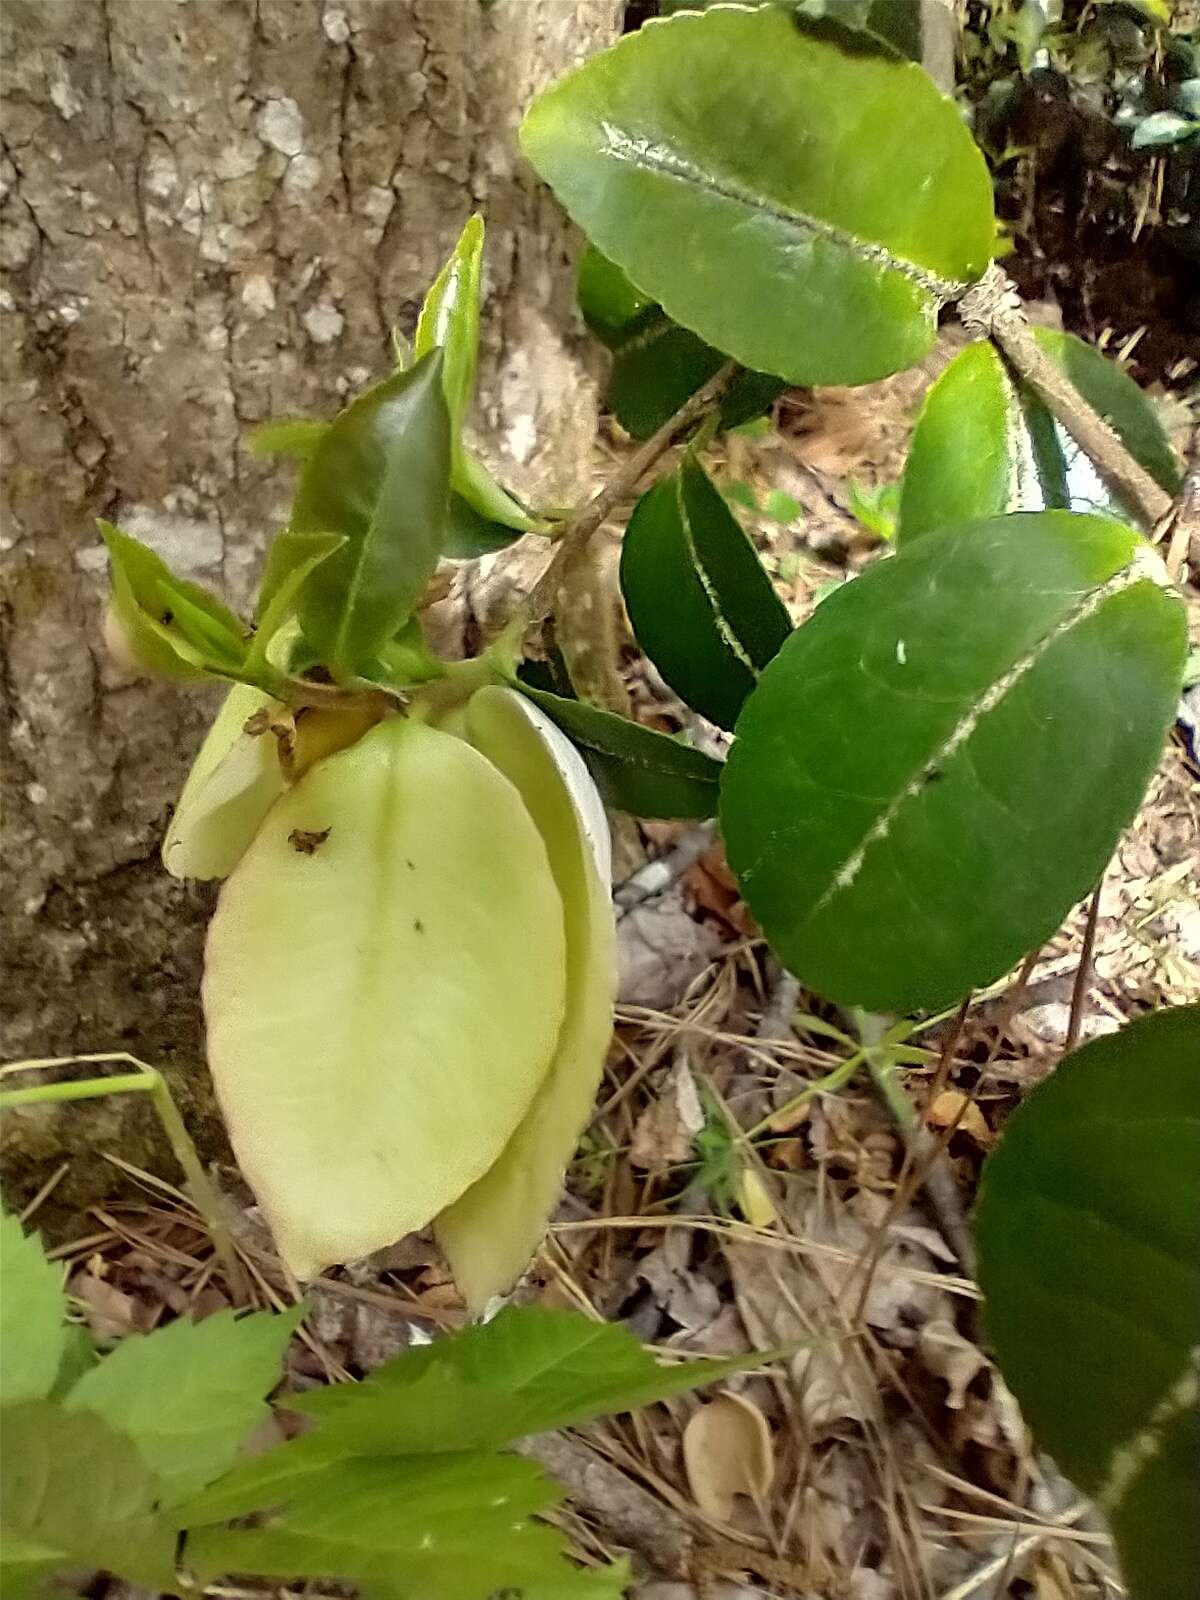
<point>189,1394</point>
<point>702,607</point>
<point>294,438</point>
<point>636,769</point>
<point>380,477</point>
<point>1109,389</point>
<point>449,321</point>
<point>171,626</point>
<point>607,300</point>
<point>744,170</point>
<point>1089,1257</point>
<point>472,534</point>
<point>393,1041</point>
<point>490,1232</point>
<point>75,1492</point>
<point>656,363</point>
<point>985,444</point>
<point>938,764</point>
<point>31,1315</point>
<point>455,1529</point>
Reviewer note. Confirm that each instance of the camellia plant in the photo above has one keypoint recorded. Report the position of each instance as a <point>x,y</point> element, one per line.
<point>409,973</point>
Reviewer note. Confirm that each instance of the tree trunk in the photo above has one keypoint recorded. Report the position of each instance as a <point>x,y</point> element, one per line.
<point>214,213</point>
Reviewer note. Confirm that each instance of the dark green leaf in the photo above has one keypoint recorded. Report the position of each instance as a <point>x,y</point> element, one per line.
<point>657,365</point>
<point>635,768</point>
<point>938,764</point>
<point>174,627</point>
<point>607,299</point>
<point>32,1309</point>
<point>472,534</point>
<point>749,178</point>
<point>1109,389</point>
<point>449,321</point>
<point>292,437</point>
<point>380,476</point>
<point>74,1492</point>
<point>1089,1243</point>
<point>702,607</point>
<point>985,444</point>
<point>189,1394</point>
<point>453,1528</point>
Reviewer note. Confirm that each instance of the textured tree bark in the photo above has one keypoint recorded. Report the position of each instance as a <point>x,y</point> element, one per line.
<point>213,212</point>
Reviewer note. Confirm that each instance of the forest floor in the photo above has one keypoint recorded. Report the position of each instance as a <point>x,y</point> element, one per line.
<point>750,1179</point>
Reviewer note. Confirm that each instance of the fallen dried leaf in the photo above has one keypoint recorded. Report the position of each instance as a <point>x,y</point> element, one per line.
<point>953,1109</point>
<point>727,1452</point>
<point>662,1135</point>
<point>950,1357</point>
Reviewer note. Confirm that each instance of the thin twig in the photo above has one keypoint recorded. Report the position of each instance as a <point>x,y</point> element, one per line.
<point>1083,973</point>
<point>994,307</point>
<point>542,597</point>
<point>655,877</point>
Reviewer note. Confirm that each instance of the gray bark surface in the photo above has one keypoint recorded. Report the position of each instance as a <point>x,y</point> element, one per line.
<point>213,211</point>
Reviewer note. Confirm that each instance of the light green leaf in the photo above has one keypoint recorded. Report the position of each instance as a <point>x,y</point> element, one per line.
<point>702,607</point>
<point>529,1370</point>
<point>938,764</point>
<point>173,627</point>
<point>636,769</point>
<point>396,862</point>
<point>32,1312</point>
<point>190,1393</point>
<point>380,477</point>
<point>1089,1247</point>
<point>985,444</point>
<point>744,170</point>
<point>476,486</point>
<point>454,1528</point>
<point>291,561</point>
<point>449,321</point>
<point>295,438</point>
<point>74,1492</point>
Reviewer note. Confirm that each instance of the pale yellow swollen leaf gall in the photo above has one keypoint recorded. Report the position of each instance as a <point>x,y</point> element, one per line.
<point>234,781</point>
<point>383,990</point>
<point>490,1233</point>
<point>238,776</point>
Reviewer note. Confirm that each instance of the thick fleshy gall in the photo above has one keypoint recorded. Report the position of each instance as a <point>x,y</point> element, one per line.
<point>383,991</point>
<point>235,780</point>
<point>490,1232</point>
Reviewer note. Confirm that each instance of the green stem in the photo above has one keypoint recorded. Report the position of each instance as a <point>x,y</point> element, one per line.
<point>146,1080</point>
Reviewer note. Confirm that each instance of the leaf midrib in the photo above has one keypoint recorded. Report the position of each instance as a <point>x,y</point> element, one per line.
<point>846,874</point>
<point>669,164</point>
